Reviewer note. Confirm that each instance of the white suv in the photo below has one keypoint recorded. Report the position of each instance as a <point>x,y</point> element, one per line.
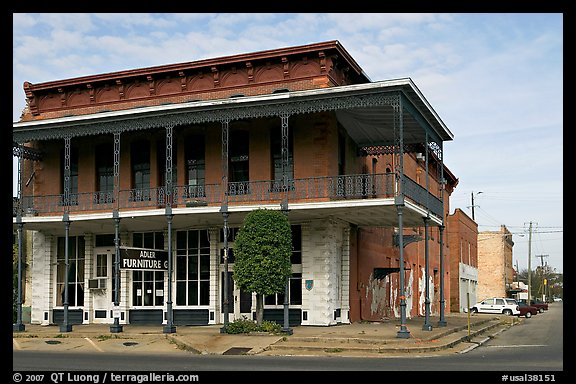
<point>497,305</point>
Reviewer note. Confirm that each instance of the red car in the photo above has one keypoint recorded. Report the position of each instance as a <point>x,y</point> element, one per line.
<point>527,310</point>
<point>539,304</point>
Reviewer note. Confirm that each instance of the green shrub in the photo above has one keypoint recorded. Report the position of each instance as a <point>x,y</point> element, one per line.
<point>270,327</point>
<point>241,326</point>
<point>246,326</point>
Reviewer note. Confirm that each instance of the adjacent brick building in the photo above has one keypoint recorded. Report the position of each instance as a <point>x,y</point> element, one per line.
<point>495,268</point>
<point>464,257</point>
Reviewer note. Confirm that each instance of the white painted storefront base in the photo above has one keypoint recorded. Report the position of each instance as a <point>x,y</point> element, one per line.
<point>325,279</point>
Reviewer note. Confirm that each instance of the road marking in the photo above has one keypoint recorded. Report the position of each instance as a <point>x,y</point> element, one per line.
<point>94,345</point>
<point>16,344</point>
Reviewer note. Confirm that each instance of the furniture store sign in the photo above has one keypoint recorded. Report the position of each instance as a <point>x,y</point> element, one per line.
<point>143,258</point>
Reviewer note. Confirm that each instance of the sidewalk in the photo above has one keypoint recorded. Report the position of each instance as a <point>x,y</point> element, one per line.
<point>358,339</point>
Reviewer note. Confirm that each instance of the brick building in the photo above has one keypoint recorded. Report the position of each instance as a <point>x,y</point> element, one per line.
<point>464,260</point>
<point>171,158</point>
<point>495,268</point>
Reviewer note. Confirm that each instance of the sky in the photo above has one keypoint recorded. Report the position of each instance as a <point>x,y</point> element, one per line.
<point>495,80</point>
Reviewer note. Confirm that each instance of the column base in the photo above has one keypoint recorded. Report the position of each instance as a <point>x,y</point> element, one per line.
<point>403,334</point>
<point>18,327</point>
<point>65,327</point>
<point>169,329</point>
<point>115,328</point>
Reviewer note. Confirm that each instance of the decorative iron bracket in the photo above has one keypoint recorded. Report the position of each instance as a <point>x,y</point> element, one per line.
<point>407,239</point>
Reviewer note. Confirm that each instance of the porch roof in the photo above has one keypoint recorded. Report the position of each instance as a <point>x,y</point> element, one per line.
<point>369,112</point>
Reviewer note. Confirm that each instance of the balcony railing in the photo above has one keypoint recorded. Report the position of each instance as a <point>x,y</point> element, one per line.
<point>312,189</point>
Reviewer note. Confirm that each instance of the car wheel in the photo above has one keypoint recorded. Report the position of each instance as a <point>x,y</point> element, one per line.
<point>474,310</point>
<point>541,310</point>
<point>507,312</point>
<point>528,315</point>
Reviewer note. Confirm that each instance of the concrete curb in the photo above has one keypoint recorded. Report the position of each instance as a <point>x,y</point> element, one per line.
<point>368,339</point>
<point>343,346</point>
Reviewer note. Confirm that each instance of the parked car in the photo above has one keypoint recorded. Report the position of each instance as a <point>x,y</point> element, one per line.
<point>527,310</point>
<point>557,299</point>
<point>542,306</point>
<point>497,305</point>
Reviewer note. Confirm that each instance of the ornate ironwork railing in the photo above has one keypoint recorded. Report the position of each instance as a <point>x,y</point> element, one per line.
<point>312,189</point>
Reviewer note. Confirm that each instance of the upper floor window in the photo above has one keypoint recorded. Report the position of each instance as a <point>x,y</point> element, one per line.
<point>341,154</point>
<point>195,165</point>
<point>105,173</point>
<point>140,160</point>
<point>238,162</point>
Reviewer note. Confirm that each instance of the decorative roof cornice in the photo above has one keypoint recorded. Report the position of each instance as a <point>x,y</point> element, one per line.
<point>293,68</point>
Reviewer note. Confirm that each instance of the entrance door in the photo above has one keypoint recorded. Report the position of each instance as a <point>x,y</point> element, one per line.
<point>239,302</point>
<point>100,285</point>
<point>244,307</point>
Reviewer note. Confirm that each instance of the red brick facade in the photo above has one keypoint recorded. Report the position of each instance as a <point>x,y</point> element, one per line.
<point>322,148</point>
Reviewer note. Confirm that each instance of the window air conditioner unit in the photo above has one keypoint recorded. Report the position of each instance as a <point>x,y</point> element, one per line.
<point>98,283</point>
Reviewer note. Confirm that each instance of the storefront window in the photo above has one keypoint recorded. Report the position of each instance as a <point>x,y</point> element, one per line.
<point>192,268</point>
<point>75,271</point>
<point>148,286</point>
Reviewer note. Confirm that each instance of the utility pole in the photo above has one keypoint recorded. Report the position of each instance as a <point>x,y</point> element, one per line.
<point>529,262</point>
<point>517,274</point>
<point>542,278</point>
<point>472,201</point>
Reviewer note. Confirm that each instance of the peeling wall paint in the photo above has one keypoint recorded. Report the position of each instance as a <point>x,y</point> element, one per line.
<point>378,290</point>
<point>422,290</point>
<point>409,293</point>
<point>422,296</point>
<point>431,295</point>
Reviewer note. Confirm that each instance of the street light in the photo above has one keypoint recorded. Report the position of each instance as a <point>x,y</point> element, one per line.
<point>472,196</point>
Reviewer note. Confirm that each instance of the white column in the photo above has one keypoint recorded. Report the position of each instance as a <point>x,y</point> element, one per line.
<point>214,311</point>
<point>88,273</point>
<point>43,276</point>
